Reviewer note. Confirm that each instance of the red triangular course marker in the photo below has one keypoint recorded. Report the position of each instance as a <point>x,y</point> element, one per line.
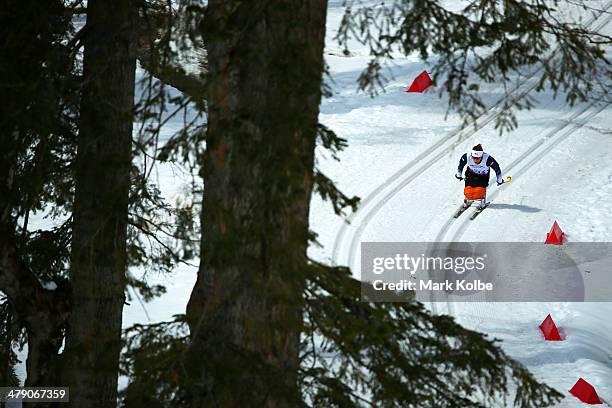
<point>555,236</point>
<point>585,392</point>
<point>420,83</point>
<point>549,329</point>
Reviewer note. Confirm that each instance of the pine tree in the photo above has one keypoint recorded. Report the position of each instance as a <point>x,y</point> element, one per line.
<point>100,211</point>
<point>35,134</point>
<point>52,110</point>
<point>263,102</point>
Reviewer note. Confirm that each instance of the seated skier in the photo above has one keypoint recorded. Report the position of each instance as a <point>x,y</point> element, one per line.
<point>477,175</point>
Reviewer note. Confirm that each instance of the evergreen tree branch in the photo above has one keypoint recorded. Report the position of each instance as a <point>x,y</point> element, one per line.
<point>153,51</point>
<point>9,333</point>
<point>326,188</point>
<point>391,354</point>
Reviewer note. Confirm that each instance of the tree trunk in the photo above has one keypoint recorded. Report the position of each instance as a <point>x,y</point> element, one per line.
<point>264,90</point>
<point>98,263</point>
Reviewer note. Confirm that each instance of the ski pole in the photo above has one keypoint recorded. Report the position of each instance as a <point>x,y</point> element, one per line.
<point>507,180</point>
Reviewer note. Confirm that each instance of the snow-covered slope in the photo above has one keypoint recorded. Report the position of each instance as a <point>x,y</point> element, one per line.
<point>401,159</point>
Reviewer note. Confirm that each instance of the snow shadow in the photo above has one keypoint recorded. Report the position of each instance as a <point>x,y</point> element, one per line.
<point>518,207</point>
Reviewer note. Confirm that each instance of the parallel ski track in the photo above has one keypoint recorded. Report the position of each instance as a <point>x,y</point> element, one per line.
<point>372,203</point>
<point>574,123</point>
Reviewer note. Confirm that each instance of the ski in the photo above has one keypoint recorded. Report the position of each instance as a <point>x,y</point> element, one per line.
<point>479,210</point>
<point>460,211</point>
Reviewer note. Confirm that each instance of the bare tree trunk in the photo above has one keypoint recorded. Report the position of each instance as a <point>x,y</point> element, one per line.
<point>264,90</point>
<point>103,163</point>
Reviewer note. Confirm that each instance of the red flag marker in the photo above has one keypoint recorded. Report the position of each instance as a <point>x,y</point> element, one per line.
<point>420,83</point>
<point>555,236</point>
<point>550,330</point>
<point>585,392</point>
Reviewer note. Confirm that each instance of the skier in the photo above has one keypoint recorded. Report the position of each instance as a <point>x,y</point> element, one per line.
<point>477,175</point>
